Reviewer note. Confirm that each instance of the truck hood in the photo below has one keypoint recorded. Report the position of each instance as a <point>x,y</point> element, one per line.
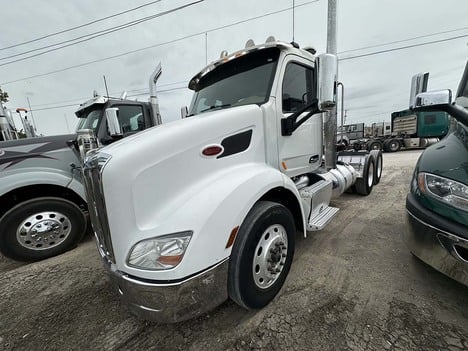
<point>15,151</point>
<point>173,137</point>
<point>449,157</point>
<point>159,182</point>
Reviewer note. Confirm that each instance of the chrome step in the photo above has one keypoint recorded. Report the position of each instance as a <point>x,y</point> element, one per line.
<point>319,221</point>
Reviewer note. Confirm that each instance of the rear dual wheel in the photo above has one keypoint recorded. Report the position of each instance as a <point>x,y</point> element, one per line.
<point>262,255</point>
<point>364,185</point>
<point>374,145</point>
<point>378,165</point>
<point>392,145</point>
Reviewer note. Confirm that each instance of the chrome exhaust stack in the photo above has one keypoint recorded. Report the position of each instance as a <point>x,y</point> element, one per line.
<point>153,96</point>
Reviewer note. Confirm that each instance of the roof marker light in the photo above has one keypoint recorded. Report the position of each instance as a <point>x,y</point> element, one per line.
<point>250,43</point>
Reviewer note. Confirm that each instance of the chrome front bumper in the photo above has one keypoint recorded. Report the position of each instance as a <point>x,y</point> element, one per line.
<point>441,249</point>
<point>170,302</point>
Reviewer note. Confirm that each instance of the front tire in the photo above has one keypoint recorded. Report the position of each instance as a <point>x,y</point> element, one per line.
<point>41,228</point>
<point>262,255</point>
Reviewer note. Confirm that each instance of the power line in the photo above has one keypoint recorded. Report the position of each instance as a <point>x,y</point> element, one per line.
<point>101,33</point>
<point>80,26</point>
<point>70,105</point>
<point>78,100</point>
<point>403,40</point>
<point>403,47</point>
<point>156,45</point>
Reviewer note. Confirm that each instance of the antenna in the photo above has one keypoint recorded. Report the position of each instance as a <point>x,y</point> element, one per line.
<point>32,117</point>
<point>293,20</point>
<point>206,48</point>
<point>66,121</point>
<point>105,84</point>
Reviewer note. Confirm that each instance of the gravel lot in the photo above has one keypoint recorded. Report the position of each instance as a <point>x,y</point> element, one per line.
<point>353,286</point>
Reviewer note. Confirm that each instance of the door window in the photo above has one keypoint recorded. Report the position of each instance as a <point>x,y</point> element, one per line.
<point>131,118</point>
<point>298,87</point>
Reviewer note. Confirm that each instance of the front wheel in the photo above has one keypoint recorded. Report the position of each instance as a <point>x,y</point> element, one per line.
<point>41,228</point>
<point>262,255</point>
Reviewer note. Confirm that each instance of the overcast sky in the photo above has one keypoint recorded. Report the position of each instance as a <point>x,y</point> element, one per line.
<point>375,85</point>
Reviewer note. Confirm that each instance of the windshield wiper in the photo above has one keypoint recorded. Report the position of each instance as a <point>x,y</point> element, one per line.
<point>214,107</point>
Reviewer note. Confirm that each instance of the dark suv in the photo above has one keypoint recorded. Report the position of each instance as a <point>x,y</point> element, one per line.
<point>437,205</point>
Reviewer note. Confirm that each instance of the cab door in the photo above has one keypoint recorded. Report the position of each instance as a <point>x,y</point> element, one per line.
<point>300,152</point>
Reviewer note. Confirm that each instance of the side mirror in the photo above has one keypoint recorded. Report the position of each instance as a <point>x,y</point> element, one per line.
<point>327,72</point>
<point>441,100</point>
<point>418,86</point>
<point>113,122</point>
<point>183,112</point>
<point>433,98</point>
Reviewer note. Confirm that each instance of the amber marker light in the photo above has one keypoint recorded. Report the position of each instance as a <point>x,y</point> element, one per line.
<point>422,182</point>
<point>170,260</point>
<point>284,165</point>
<point>232,237</point>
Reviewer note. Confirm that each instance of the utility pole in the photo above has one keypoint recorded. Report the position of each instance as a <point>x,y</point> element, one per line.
<point>331,116</point>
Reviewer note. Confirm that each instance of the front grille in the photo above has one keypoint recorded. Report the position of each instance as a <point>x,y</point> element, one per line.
<point>96,202</point>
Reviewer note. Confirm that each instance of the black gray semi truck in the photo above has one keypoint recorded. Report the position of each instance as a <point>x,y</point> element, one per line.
<point>43,210</point>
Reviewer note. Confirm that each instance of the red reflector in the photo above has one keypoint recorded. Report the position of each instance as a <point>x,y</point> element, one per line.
<point>212,150</point>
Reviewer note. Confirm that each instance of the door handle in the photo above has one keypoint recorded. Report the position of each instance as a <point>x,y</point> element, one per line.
<point>314,159</point>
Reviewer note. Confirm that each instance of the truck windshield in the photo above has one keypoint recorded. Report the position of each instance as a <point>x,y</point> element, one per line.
<point>242,81</point>
<point>90,119</point>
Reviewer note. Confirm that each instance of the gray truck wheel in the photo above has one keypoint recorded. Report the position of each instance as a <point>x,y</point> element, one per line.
<point>393,145</point>
<point>374,145</point>
<point>364,185</point>
<point>262,255</point>
<point>41,228</point>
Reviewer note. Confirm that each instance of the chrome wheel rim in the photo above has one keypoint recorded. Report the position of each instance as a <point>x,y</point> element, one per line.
<point>370,175</point>
<point>43,230</point>
<point>270,256</point>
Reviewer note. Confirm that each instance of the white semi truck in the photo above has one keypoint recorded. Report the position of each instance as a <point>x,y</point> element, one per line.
<point>207,208</point>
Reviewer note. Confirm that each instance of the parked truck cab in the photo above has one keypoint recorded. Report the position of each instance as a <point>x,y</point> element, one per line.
<point>437,205</point>
<point>206,208</point>
<point>43,209</point>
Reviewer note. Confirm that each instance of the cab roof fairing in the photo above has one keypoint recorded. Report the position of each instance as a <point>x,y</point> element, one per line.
<point>95,100</point>
<point>282,46</point>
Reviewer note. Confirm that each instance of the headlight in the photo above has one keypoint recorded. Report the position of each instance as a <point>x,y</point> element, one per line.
<point>159,253</point>
<point>446,190</point>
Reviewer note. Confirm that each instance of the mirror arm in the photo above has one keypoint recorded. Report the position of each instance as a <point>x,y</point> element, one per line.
<point>289,124</point>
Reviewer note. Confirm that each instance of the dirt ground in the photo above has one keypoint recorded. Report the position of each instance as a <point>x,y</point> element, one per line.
<point>352,286</point>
